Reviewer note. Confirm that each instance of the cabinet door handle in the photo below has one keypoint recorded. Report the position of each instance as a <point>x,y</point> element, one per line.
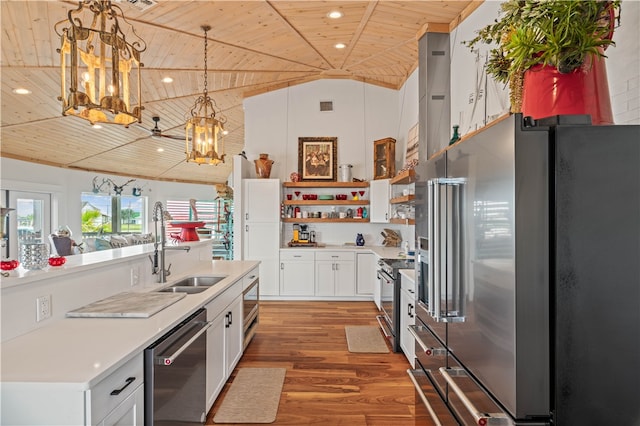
<point>281,265</point>
<point>226,320</point>
<point>336,266</point>
<point>246,228</point>
<point>127,383</point>
<point>230,317</point>
<point>246,216</point>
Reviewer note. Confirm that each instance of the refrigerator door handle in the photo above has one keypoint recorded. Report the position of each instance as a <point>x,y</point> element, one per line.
<point>433,283</point>
<point>452,225</point>
<point>480,418</point>
<point>424,399</point>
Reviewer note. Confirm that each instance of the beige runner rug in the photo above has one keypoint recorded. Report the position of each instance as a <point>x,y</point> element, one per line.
<point>254,396</point>
<point>365,339</point>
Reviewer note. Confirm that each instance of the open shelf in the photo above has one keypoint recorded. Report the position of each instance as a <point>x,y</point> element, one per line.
<point>404,178</point>
<point>326,202</point>
<point>403,199</point>
<point>402,221</point>
<point>325,220</point>
<point>325,184</point>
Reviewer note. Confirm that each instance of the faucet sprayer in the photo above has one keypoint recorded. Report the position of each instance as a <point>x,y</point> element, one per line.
<point>160,215</point>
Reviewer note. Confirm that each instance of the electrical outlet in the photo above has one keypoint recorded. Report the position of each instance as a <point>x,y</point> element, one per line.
<point>43,308</point>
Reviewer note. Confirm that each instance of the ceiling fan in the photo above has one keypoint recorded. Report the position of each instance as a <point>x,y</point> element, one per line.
<point>157,132</point>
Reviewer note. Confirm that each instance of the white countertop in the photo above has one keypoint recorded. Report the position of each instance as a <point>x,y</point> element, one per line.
<point>380,251</point>
<point>87,261</point>
<point>79,352</point>
<point>409,273</point>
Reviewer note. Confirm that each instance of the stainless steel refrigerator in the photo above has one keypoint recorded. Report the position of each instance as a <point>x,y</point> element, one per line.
<point>529,276</point>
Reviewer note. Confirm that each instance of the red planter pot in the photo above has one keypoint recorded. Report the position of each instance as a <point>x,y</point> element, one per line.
<point>547,92</point>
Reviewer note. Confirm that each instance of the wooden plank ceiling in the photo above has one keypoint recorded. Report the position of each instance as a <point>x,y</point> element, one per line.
<point>253,47</point>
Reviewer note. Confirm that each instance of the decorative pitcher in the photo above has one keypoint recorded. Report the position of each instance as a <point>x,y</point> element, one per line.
<point>359,240</point>
<point>263,166</point>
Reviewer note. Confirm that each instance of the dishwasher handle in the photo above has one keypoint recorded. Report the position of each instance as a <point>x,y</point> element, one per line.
<point>168,360</point>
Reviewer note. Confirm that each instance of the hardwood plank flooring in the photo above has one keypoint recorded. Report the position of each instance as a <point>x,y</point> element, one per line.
<point>325,383</point>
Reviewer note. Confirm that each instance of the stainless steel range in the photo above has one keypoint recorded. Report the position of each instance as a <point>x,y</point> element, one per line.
<point>389,278</point>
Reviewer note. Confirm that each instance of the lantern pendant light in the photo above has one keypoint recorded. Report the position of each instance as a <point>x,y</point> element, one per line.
<point>100,69</point>
<point>204,131</point>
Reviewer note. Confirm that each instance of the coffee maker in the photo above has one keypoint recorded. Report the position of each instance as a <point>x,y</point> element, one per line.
<point>304,234</point>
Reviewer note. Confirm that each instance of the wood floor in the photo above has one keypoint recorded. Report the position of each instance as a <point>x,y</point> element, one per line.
<point>326,384</point>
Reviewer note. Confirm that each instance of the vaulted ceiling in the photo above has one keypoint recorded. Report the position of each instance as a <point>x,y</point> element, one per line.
<point>253,47</point>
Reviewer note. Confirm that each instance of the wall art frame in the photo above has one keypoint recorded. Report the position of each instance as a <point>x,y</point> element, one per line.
<point>318,158</point>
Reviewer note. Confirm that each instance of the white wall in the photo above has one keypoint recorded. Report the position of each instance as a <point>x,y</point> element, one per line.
<point>623,70</point>
<point>362,113</point>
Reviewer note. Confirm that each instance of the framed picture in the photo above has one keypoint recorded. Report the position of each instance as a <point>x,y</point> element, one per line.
<point>317,158</point>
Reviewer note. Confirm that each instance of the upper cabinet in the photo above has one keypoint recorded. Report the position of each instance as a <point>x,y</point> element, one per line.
<point>261,200</point>
<point>384,158</point>
<point>379,190</point>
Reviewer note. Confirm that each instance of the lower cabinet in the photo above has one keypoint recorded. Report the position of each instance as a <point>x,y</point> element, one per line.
<point>335,273</point>
<point>119,398</point>
<point>224,339</point>
<point>297,273</point>
<point>365,273</point>
<point>407,318</point>
<point>129,413</point>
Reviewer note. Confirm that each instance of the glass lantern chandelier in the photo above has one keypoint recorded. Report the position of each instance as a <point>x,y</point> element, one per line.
<point>204,131</point>
<point>100,68</point>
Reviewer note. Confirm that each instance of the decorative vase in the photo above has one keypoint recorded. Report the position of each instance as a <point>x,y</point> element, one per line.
<point>359,240</point>
<point>585,90</point>
<point>456,136</point>
<point>263,166</point>
<point>34,255</point>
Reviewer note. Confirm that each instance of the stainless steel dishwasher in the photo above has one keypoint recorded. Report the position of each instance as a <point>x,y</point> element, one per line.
<point>175,374</point>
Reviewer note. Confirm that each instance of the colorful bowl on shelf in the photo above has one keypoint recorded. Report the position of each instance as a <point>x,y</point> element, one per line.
<point>341,196</point>
<point>325,197</point>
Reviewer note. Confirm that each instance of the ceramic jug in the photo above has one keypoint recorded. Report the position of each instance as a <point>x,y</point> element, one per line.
<point>263,166</point>
<point>359,240</point>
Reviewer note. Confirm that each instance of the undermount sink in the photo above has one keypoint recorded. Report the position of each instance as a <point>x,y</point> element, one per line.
<point>192,285</point>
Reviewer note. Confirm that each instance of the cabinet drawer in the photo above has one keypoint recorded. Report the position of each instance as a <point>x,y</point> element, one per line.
<point>124,381</point>
<point>248,279</point>
<point>297,255</point>
<point>221,301</point>
<point>336,255</point>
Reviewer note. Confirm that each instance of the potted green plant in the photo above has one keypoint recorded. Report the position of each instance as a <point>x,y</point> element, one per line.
<point>555,44</point>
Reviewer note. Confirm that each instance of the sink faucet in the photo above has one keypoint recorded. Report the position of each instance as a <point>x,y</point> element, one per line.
<point>160,239</point>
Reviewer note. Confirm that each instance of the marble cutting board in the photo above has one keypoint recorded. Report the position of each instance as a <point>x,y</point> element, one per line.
<point>127,305</point>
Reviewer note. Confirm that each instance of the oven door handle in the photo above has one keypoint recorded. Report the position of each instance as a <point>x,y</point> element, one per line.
<point>168,360</point>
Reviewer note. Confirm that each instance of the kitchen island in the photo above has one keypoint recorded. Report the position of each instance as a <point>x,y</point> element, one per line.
<point>48,374</point>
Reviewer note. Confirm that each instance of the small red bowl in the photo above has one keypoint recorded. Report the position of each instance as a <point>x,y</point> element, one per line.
<point>9,265</point>
<point>57,260</point>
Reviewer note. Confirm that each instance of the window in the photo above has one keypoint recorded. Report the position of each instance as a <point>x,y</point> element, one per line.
<point>31,220</point>
<point>217,216</point>
<point>106,214</point>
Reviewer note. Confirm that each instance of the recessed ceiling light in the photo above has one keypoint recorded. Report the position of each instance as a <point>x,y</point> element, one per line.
<point>340,46</point>
<point>225,132</point>
<point>97,126</point>
<point>21,91</point>
<point>334,14</point>
<point>167,80</point>
<point>160,150</point>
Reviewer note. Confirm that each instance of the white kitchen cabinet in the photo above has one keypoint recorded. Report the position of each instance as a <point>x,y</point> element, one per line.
<point>379,201</point>
<point>365,273</point>
<point>407,318</point>
<point>335,273</point>
<point>261,201</point>
<point>129,413</point>
<point>261,236</point>
<point>224,339</point>
<point>297,273</point>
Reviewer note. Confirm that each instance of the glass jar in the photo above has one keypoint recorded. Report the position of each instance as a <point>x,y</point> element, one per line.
<point>34,255</point>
